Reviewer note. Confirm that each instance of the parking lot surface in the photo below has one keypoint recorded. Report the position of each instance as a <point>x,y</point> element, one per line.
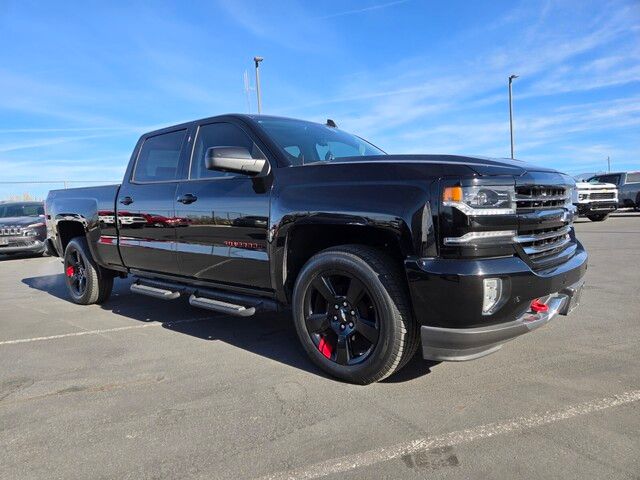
<point>139,388</point>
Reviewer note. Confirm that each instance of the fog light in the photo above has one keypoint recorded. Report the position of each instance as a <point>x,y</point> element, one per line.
<point>492,294</point>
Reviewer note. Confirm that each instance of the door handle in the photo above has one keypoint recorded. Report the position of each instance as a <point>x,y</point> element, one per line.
<point>187,198</point>
<point>126,200</point>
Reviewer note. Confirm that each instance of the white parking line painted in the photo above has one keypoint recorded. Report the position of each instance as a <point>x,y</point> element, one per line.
<point>379,455</point>
<point>98,332</point>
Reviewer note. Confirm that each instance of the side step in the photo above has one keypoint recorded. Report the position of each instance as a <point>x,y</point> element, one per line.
<point>154,291</point>
<point>221,307</point>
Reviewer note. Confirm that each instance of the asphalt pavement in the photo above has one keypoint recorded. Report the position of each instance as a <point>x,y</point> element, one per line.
<point>143,389</point>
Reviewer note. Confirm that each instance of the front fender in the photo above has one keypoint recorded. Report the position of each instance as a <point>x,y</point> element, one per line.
<point>391,207</point>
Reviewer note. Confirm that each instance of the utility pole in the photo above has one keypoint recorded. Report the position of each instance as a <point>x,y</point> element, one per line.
<point>511,78</point>
<point>257,61</point>
<point>247,90</point>
<point>608,164</point>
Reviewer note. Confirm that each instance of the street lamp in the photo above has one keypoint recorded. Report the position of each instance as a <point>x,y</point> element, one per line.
<point>511,77</point>
<point>257,61</point>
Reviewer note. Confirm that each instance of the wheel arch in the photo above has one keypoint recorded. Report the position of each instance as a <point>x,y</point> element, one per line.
<point>306,239</point>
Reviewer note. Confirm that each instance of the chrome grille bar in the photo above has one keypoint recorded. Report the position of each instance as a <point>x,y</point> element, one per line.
<point>541,197</point>
<point>10,231</point>
<point>535,237</point>
<point>545,247</point>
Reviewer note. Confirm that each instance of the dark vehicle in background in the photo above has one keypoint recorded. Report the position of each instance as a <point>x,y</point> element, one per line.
<point>628,184</point>
<point>377,255</point>
<point>22,228</point>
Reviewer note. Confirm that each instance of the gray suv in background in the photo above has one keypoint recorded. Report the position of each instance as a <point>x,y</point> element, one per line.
<point>22,228</point>
<point>628,184</point>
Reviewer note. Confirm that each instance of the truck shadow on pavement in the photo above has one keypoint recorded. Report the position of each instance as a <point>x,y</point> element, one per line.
<point>271,335</point>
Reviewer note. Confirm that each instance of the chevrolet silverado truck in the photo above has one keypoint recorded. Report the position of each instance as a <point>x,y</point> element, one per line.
<point>376,255</point>
<point>595,200</point>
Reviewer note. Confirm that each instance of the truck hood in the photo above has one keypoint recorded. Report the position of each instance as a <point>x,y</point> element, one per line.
<point>594,186</point>
<point>20,221</point>
<point>480,165</point>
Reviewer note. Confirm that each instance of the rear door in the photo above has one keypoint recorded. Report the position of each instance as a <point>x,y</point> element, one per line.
<point>146,203</point>
<point>223,218</point>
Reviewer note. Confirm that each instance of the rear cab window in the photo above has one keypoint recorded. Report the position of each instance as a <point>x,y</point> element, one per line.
<point>633,177</point>
<point>159,158</point>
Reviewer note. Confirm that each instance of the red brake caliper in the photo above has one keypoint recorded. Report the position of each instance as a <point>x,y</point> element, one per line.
<point>325,348</point>
<point>70,271</point>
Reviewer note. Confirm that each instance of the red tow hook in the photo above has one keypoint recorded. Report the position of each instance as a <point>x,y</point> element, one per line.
<point>69,271</point>
<point>538,307</point>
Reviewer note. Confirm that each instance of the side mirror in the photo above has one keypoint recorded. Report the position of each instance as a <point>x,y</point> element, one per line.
<point>233,159</point>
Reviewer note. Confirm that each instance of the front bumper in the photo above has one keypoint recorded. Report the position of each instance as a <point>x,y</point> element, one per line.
<point>22,245</point>
<point>596,208</point>
<point>447,301</point>
<point>450,344</point>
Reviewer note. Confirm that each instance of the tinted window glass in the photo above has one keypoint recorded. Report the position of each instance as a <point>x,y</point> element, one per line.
<point>218,135</point>
<point>332,150</point>
<point>307,142</point>
<point>605,179</point>
<point>633,177</point>
<point>21,210</point>
<point>160,157</point>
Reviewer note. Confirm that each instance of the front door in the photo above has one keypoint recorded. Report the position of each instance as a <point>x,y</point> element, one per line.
<point>223,218</point>
<point>146,205</point>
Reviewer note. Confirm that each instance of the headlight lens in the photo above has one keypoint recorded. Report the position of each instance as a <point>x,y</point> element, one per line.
<point>29,230</point>
<point>481,200</point>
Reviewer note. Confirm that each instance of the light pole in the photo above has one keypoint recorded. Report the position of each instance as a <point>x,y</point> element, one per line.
<point>257,61</point>
<point>511,77</point>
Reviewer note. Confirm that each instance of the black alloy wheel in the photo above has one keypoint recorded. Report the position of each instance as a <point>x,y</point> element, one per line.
<point>352,313</point>
<point>75,271</point>
<point>86,281</point>
<point>341,318</point>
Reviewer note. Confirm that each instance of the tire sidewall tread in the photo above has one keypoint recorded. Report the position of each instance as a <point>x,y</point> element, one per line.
<point>385,280</point>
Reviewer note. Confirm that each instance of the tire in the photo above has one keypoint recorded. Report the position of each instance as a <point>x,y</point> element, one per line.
<point>637,205</point>
<point>87,283</point>
<point>598,218</point>
<point>341,341</point>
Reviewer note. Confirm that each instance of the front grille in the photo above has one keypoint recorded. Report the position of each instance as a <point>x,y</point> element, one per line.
<point>540,197</point>
<point>545,232</point>
<point>4,231</point>
<point>545,242</point>
<point>602,196</point>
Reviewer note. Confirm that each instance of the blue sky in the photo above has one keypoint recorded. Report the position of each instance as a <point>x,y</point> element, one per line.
<point>80,81</point>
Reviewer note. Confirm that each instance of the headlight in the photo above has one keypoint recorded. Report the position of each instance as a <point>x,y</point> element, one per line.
<point>481,200</point>
<point>29,230</point>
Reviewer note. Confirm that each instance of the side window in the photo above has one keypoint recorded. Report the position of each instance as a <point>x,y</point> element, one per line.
<point>633,177</point>
<point>218,135</point>
<point>159,158</point>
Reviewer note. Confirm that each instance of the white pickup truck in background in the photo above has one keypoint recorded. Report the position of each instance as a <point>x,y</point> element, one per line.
<point>595,200</point>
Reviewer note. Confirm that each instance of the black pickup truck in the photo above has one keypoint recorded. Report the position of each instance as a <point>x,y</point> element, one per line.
<point>375,254</point>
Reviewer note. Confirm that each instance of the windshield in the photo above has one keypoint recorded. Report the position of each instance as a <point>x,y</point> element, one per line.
<point>21,210</point>
<point>307,142</point>
<point>605,179</point>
